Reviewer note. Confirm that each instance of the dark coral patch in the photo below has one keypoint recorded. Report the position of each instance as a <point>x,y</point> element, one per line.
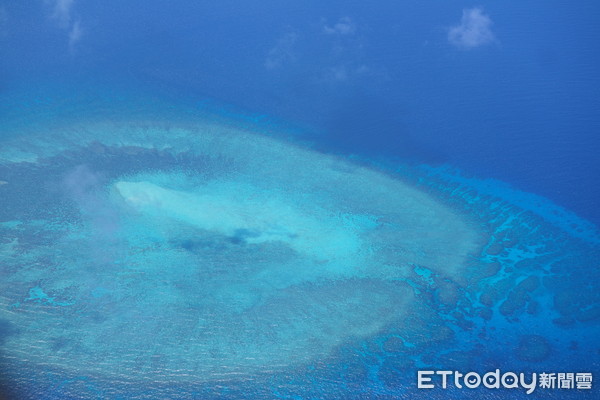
<point>533,348</point>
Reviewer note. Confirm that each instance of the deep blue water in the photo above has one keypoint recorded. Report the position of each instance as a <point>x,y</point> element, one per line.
<point>495,115</point>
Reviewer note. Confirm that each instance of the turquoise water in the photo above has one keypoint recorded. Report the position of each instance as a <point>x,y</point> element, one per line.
<point>162,249</point>
<point>266,200</point>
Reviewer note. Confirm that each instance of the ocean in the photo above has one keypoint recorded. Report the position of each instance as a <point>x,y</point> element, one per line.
<point>326,200</point>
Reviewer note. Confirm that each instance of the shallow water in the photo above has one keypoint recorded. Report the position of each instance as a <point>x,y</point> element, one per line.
<point>205,256</point>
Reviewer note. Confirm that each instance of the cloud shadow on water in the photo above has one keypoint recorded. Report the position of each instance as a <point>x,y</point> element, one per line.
<point>362,115</point>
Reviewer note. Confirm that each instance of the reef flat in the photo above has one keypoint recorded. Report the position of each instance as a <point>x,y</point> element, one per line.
<point>203,255</point>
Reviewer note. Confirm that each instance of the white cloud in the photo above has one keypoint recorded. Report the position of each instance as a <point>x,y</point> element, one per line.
<point>342,73</point>
<point>62,11</point>
<point>282,52</point>
<point>345,72</point>
<point>324,54</point>
<point>345,26</point>
<point>338,74</point>
<point>75,34</point>
<point>474,30</point>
